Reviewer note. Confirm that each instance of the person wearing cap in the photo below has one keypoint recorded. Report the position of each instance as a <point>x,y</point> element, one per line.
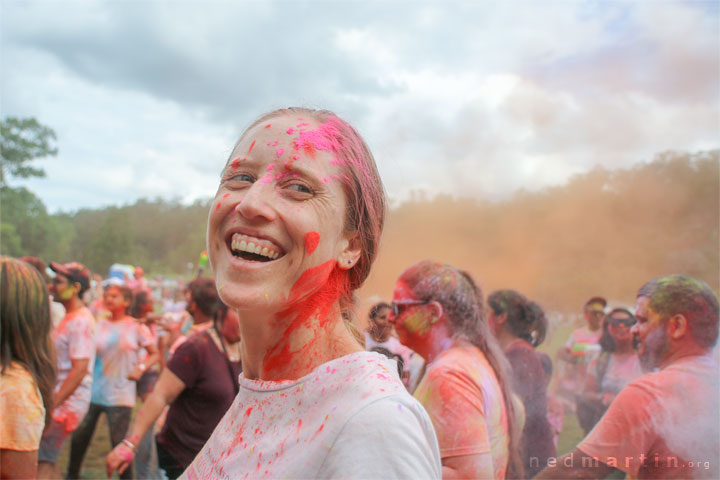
<point>74,340</point>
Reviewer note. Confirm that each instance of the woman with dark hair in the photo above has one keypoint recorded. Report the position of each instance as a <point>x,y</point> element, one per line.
<point>199,385</point>
<point>27,377</point>
<point>438,312</point>
<point>615,366</point>
<point>520,326</point>
<point>380,335</point>
<point>292,233</point>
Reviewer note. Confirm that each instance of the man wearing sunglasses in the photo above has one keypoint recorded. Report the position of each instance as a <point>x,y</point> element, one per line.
<point>664,424</point>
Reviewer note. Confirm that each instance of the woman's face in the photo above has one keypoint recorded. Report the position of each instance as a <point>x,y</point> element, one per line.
<point>619,327</point>
<point>413,320</point>
<point>284,203</point>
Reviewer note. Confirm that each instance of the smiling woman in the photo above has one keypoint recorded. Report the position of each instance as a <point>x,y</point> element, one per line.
<point>292,232</point>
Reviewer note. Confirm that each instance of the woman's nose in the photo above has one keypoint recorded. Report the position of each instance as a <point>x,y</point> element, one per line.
<point>258,202</point>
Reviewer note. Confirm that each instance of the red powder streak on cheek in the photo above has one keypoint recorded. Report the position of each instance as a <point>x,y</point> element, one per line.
<point>267,126</point>
<point>226,195</point>
<point>251,147</point>
<point>312,239</point>
<point>217,207</point>
<point>236,163</point>
<point>280,151</point>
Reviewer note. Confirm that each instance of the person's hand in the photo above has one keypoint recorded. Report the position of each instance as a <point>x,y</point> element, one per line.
<point>119,459</point>
<point>136,374</point>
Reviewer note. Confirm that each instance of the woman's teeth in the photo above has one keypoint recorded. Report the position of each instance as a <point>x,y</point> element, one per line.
<point>242,245</point>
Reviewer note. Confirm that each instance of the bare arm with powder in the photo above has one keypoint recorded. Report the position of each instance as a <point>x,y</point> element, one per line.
<point>17,464</point>
<point>78,370</point>
<point>468,466</point>
<point>166,390</point>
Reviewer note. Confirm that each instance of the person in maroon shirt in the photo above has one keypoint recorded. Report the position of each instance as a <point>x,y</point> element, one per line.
<point>199,383</point>
<point>520,326</point>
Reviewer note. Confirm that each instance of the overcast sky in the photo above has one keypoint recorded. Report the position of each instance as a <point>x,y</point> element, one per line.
<point>469,98</point>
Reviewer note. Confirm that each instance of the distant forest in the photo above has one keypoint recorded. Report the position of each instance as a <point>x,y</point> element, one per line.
<point>604,232</point>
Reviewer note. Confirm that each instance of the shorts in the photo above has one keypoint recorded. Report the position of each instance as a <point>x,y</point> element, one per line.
<point>147,382</point>
<point>52,442</point>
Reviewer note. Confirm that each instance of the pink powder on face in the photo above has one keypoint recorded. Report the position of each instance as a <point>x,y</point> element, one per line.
<point>251,147</point>
<point>217,207</point>
<point>312,239</point>
<point>300,125</point>
<point>270,167</point>
<point>280,151</point>
<point>290,131</point>
<point>267,126</point>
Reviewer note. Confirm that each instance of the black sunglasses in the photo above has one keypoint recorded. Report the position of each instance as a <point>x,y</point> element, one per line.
<point>627,321</point>
<point>404,303</point>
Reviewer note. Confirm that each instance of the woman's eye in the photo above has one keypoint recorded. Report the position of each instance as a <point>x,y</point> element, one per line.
<point>241,177</point>
<point>298,187</point>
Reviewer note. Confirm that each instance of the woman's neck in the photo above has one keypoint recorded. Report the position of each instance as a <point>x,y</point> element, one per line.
<point>309,331</point>
<point>505,338</point>
<point>297,349</point>
<point>116,315</point>
<point>624,348</point>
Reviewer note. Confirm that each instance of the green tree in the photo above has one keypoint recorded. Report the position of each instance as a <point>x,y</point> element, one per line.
<point>26,226</point>
<point>22,141</point>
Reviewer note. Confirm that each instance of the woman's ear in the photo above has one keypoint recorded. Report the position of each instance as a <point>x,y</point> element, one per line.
<point>350,253</point>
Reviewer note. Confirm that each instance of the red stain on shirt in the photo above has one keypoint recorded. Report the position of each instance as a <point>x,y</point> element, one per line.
<point>312,239</point>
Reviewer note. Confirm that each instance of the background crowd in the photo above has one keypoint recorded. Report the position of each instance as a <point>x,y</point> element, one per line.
<point>176,360</point>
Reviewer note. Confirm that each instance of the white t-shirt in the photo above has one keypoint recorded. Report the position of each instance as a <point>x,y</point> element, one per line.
<point>413,362</point>
<point>350,418</point>
<point>74,339</point>
<point>118,348</point>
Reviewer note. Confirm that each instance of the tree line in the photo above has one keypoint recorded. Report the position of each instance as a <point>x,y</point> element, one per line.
<point>603,232</point>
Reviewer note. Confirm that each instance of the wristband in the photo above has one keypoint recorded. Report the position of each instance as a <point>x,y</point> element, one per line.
<point>128,443</point>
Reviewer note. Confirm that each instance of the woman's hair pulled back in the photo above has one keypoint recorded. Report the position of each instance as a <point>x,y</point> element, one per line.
<point>462,303</point>
<point>525,319</point>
